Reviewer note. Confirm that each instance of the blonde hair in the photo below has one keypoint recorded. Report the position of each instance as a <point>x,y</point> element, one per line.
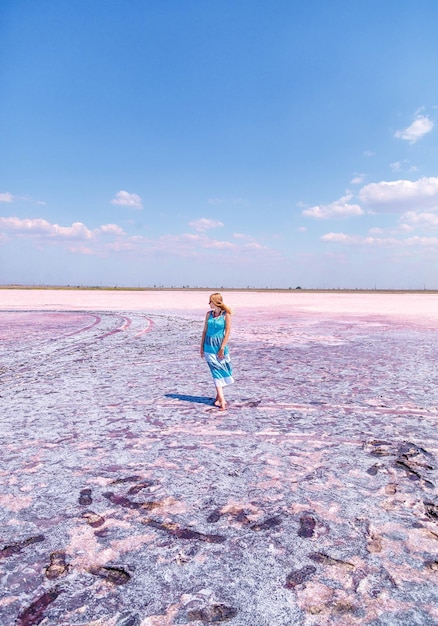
<point>217,300</point>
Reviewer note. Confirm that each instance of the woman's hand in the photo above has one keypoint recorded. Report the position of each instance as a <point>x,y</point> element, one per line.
<point>220,354</point>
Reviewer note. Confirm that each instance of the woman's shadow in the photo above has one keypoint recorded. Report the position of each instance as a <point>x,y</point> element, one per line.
<point>186,398</point>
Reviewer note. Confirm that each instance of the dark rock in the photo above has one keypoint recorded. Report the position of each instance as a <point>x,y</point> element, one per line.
<point>58,566</point>
<point>15,548</point>
<point>128,479</point>
<point>271,522</point>
<point>128,620</point>
<point>34,614</point>
<point>130,504</point>
<point>307,526</point>
<point>114,575</point>
<point>85,498</point>
<point>93,519</point>
<point>324,559</point>
<point>213,614</point>
<point>242,518</point>
<point>146,484</point>
<point>214,517</point>
<point>297,577</point>
<point>183,533</point>
<point>431,510</point>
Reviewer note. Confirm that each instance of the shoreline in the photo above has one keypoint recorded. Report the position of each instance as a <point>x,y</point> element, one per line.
<point>224,289</point>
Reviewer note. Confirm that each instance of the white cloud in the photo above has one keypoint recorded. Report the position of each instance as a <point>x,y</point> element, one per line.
<point>419,127</point>
<point>369,153</point>
<point>40,227</point>
<point>396,195</point>
<point>339,208</point>
<point>124,198</point>
<point>6,197</point>
<point>396,166</point>
<point>111,229</point>
<point>205,224</point>
<point>302,229</point>
<point>338,238</point>
<point>375,231</point>
<point>414,219</point>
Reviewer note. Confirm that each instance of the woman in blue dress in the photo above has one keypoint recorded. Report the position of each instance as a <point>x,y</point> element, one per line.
<point>214,346</point>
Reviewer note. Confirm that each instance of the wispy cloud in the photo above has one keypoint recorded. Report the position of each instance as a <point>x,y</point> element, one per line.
<point>242,201</point>
<point>359,240</point>
<point>358,179</point>
<point>124,198</point>
<point>338,208</point>
<point>419,127</point>
<point>204,224</point>
<point>110,239</point>
<point>6,197</point>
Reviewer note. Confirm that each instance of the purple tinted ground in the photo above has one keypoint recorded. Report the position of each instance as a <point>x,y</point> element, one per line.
<point>128,499</point>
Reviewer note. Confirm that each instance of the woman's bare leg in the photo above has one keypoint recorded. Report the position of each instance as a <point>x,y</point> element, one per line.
<point>220,400</point>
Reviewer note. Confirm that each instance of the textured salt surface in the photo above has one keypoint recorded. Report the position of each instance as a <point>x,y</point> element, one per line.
<point>127,499</point>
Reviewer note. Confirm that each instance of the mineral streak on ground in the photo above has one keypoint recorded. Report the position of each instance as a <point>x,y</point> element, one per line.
<point>128,499</point>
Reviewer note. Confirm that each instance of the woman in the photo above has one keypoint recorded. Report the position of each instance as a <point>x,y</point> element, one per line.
<point>214,346</point>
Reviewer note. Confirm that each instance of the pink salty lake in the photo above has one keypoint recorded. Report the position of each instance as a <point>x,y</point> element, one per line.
<point>311,500</point>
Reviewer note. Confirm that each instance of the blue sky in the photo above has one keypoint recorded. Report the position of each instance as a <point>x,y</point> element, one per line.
<point>234,143</point>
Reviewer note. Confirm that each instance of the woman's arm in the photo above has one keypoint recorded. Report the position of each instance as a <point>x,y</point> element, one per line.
<point>204,332</point>
<point>220,354</point>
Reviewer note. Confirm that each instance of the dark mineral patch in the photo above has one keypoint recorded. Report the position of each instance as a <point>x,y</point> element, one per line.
<point>15,548</point>
<point>128,479</point>
<point>433,565</point>
<point>145,484</point>
<point>58,565</point>
<point>93,519</point>
<point>431,510</point>
<point>242,517</point>
<point>129,504</point>
<point>85,498</point>
<point>372,471</point>
<point>324,559</point>
<point>214,517</point>
<point>307,526</point>
<point>114,575</point>
<point>183,533</point>
<point>417,455</point>
<point>34,614</point>
<point>213,614</point>
<point>127,620</point>
<point>297,577</point>
<point>381,448</point>
<point>271,522</point>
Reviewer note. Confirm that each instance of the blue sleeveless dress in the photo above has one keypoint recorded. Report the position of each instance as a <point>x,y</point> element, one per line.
<point>220,370</point>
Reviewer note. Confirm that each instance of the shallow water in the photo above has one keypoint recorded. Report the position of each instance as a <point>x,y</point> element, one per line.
<point>127,498</point>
